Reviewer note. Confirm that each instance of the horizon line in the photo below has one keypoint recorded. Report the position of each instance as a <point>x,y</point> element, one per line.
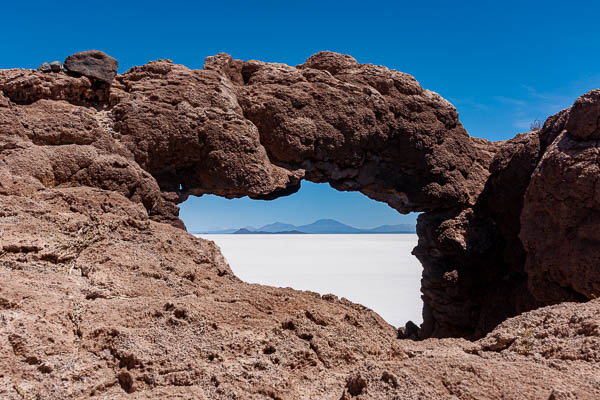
<point>212,230</point>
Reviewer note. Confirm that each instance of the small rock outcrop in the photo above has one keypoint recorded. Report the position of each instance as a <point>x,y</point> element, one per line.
<point>94,64</point>
<point>95,262</point>
<point>583,121</point>
<point>54,66</point>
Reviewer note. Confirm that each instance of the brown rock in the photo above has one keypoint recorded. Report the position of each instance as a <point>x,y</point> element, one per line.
<point>25,87</point>
<point>584,117</point>
<point>409,331</point>
<point>94,64</point>
<point>367,129</point>
<point>332,62</point>
<point>260,133</point>
<point>560,218</point>
<point>93,262</point>
<point>126,306</point>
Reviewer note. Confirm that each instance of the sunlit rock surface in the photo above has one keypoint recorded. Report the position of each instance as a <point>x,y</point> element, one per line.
<point>103,294</point>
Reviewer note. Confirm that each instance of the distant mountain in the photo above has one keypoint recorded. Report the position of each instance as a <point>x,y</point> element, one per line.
<point>277,227</point>
<point>217,232</point>
<point>225,231</point>
<point>399,228</point>
<point>245,231</point>
<point>328,226</point>
<point>322,226</point>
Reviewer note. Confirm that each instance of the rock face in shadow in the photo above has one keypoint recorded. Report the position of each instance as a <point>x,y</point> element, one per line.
<point>102,288</point>
<point>473,258</point>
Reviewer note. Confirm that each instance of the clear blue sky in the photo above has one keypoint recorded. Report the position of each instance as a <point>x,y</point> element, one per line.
<point>502,63</point>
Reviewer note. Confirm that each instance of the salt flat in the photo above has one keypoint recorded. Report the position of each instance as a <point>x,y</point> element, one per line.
<point>375,270</point>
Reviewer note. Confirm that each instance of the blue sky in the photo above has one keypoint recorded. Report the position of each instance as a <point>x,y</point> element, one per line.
<point>501,63</point>
<point>313,201</point>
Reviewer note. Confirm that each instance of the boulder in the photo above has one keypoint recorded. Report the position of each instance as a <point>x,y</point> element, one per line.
<point>55,66</point>
<point>45,67</point>
<point>94,64</point>
<point>584,117</point>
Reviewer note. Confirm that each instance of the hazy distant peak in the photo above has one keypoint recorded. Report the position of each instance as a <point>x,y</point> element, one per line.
<point>276,227</point>
<point>323,220</point>
<point>321,226</point>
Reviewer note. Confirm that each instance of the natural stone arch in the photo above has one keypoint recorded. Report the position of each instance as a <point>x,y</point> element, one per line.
<point>251,128</point>
<point>257,129</point>
<point>161,132</point>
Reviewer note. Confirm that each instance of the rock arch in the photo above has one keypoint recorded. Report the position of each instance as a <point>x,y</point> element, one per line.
<point>251,128</point>
<point>161,132</point>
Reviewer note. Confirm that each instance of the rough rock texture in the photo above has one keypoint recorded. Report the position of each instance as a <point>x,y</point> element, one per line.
<point>257,129</point>
<point>94,64</point>
<point>473,258</point>
<point>562,208</point>
<point>99,301</point>
<point>45,67</point>
<point>103,294</point>
<point>25,87</point>
<point>584,117</point>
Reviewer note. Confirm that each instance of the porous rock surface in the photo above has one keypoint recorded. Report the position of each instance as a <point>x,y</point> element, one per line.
<point>104,295</point>
<point>93,64</point>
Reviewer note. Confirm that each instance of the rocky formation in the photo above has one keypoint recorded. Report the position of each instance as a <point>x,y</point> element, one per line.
<point>54,66</point>
<point>99,301</point>
<point>93,64</point>
<point>562,207</point>
<point>100,286</point>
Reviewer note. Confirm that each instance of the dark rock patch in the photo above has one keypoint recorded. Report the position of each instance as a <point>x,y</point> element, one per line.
<point>93,64</point>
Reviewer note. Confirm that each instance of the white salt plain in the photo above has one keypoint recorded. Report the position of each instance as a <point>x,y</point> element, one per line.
<point>375,270</point>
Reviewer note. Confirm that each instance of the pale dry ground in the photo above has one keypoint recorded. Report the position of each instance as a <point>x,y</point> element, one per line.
<point>375,270</point>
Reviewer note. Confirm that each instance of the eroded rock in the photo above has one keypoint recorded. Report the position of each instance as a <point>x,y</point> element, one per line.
<point>93,64</point>
<point>93,261</point>
<point>562,209</point>
<point>45,67</point>
<point>584,117</point>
